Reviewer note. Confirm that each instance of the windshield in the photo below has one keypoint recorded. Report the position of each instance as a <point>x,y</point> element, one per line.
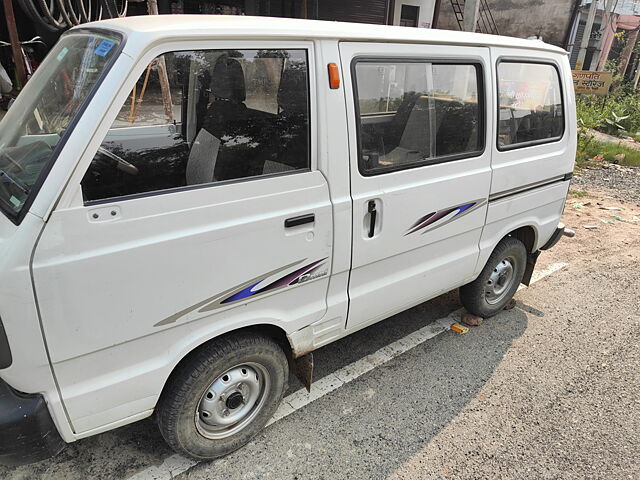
<point>44,110</point>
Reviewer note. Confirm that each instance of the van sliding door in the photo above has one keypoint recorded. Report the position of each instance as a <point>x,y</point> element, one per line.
<point>420,171</point>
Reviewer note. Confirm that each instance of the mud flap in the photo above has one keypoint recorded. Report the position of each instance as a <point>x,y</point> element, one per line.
<point>27,431</point>
<point>532,258</point>
<point>303,369</point>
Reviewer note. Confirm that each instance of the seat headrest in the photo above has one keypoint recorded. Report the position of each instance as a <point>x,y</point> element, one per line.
<point>227,80</point>
<point>292,92</point>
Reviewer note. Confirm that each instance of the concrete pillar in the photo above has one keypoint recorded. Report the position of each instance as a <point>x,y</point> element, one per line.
<point>471,14</point>
<point>587,34</point>
<point>628,50</point>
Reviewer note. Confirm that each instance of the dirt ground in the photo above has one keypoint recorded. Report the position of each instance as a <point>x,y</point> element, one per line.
<point>599,217</point>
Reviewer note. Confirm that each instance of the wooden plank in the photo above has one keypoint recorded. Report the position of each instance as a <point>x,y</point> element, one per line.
<point>16,49</point>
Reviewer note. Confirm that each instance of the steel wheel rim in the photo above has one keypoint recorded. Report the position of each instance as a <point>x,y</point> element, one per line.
<point>232,400</point>
<point>499,283</point>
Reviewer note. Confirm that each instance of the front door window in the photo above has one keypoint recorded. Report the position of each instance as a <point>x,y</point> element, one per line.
<point>237,114</point>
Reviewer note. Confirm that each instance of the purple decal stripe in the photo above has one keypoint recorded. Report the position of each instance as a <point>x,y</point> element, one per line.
<point>282,282</point>
<point>420,223</point>
<point>433,217</point>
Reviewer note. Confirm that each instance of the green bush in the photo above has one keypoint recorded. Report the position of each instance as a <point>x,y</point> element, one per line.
<point>616,114</point>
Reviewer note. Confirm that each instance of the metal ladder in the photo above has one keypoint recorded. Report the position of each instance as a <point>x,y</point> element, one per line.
<point>486,23</point>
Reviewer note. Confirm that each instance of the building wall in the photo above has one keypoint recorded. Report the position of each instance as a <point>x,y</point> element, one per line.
<point>426,11</point>
<point>521,18</point>
<point>361,11</point>
<point>373,11</point>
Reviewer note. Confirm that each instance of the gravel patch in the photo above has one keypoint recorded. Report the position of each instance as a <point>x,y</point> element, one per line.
<point>623,183</point>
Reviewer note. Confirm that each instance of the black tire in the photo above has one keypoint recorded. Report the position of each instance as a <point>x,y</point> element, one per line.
<point>478,297</point>
<point>179,414</point>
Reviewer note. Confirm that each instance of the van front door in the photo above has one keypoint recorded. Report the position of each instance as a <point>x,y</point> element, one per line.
<point>420,171</point>
<point>173,238</point>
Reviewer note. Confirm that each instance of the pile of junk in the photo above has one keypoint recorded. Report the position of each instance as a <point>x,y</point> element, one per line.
<point>42,22</point>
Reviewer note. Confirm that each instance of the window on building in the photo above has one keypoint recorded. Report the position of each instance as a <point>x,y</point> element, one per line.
<point>409,15</point>
<point>530,104</point>
<point>232,114</point>
<point>417,113</point>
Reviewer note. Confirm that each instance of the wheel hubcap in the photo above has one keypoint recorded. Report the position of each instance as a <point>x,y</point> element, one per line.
<point>232,400</point>
<point>500,281</point>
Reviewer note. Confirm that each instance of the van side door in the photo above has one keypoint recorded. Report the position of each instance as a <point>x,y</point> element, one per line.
<point>534,144</point>
<point>420,171</point>
<point>171,233</point>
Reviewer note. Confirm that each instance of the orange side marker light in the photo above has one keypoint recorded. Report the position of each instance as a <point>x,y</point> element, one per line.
<point>334,76</point>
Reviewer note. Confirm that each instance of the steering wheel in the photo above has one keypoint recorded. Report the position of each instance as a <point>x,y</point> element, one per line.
<point>121,163</point>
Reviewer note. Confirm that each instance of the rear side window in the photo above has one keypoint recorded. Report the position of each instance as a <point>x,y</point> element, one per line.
<point>416,113</point>
<point>230,115</point>
<point>530,104</point>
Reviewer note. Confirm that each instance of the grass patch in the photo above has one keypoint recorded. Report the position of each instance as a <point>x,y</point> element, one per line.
<point>593,148</point>
<point>578,193</point>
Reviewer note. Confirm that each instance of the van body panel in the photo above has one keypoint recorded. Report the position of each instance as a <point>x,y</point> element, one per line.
<point>202,232</point>
<point>539,209</point>
<point>207,231</point>
<point>30,370</point>
<point>527,165</point>
<point>18,309</point>
<point>333,162</point>
<point>148,30</point>
<point>401,266</point>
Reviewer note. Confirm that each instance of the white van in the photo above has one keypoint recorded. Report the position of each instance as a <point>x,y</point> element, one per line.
<point>193,204</point>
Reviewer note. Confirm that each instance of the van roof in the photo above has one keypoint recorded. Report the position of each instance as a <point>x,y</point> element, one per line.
<point>193,26</point>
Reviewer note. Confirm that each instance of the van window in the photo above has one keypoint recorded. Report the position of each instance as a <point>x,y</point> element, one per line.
<point>530,104</point>
<point>416,113</point>
<point>232,114</point>
<point>37,125</point>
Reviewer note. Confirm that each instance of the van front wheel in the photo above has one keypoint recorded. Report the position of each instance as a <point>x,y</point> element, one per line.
<point>498,281</point>
<point>221,396</point>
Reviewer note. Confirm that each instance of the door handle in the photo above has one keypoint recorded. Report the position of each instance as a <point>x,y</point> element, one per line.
<point>371,208</point>
<point>301,220</point>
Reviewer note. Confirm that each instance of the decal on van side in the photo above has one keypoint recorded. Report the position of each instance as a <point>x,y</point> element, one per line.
<point>251,288</point>
<point>430,219</point>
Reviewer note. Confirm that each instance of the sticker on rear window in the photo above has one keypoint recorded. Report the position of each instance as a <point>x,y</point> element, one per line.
<point>62,54</point>
<point>104,47</point>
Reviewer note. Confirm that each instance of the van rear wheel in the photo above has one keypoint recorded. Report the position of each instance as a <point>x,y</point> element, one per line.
<point>222,395</point>
<point>498,281</point>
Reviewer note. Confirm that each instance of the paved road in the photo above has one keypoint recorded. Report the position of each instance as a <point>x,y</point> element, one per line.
<point>550,389</point>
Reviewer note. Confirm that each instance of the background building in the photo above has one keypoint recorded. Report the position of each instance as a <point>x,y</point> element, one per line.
<point>604,44</point>
<point>546,19</point>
